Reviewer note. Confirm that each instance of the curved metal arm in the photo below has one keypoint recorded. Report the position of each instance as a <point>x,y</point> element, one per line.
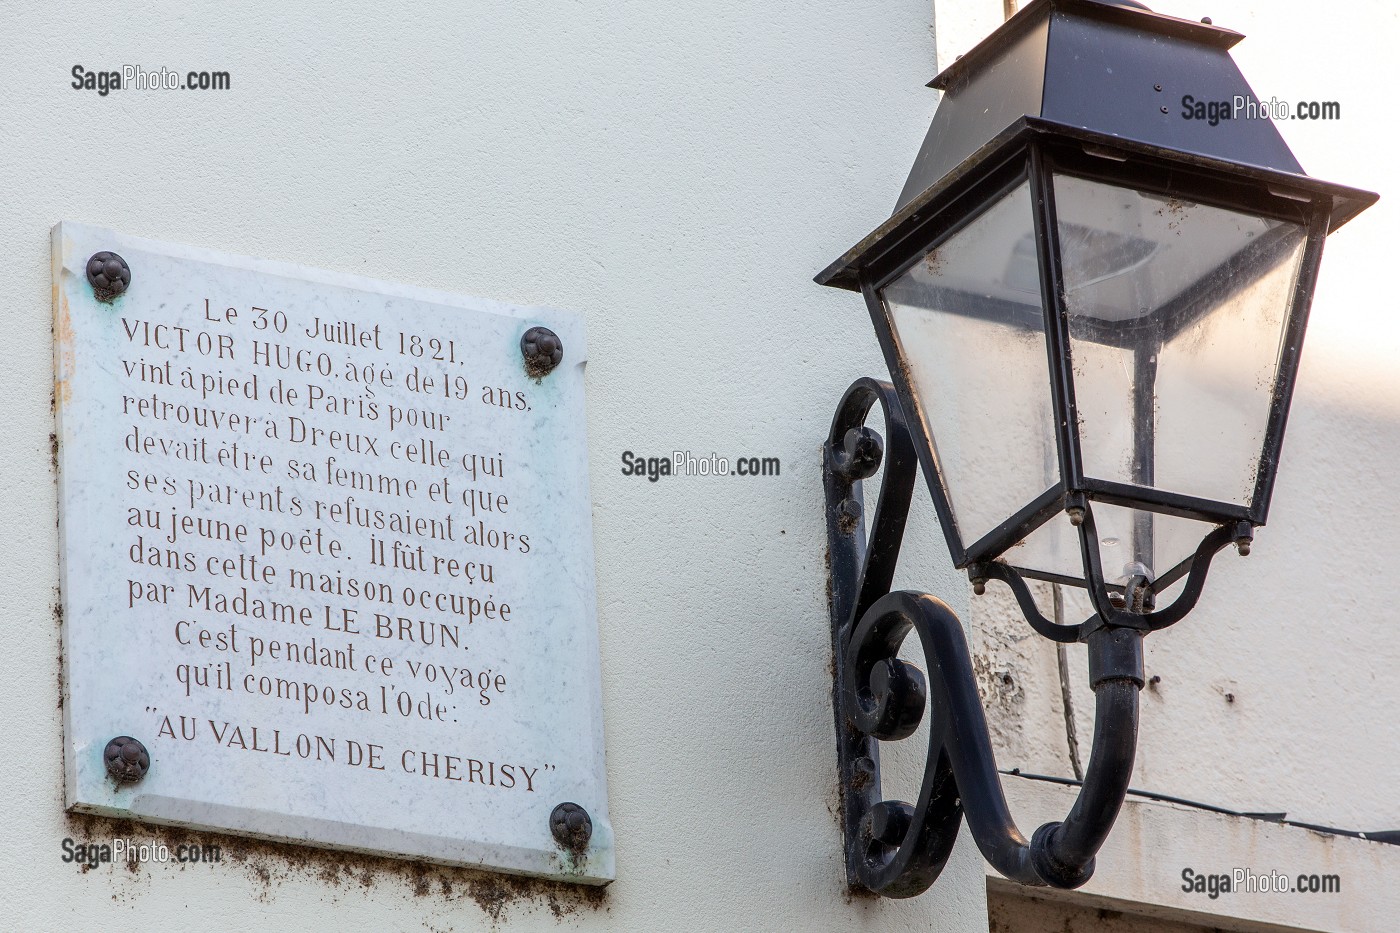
<point>895,848</point>
<point>899,848</point>
<point>853,453</point>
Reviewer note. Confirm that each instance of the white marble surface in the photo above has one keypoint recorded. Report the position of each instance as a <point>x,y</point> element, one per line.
<point>133,658</point>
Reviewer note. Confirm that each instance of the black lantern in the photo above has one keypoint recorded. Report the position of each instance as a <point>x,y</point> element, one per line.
<point>1092,305</point>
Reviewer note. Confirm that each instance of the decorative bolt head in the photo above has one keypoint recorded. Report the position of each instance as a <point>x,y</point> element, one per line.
<point>848,515</point>
<point>979,586</point>
<point>863,771</point>
<point>571,827</point>
<point>542,349</point>
<point>127,759</point>
<point>1076,515</point>
<point>1244,537</point>
<point>108,274</point>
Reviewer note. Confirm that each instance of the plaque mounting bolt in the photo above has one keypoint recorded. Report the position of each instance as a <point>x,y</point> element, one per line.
<point>571,827</point>
<point>127,759</point>
<point>542,350</point>
<point>108,274</point>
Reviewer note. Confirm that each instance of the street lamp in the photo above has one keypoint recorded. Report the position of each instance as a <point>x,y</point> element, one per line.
<point>1091,303</point>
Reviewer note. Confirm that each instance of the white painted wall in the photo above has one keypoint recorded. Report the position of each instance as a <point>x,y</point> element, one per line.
<point>676,173</point>
<point>1301,633</point>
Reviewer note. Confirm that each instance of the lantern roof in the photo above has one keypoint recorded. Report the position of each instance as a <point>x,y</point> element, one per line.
<point>1119,80</point>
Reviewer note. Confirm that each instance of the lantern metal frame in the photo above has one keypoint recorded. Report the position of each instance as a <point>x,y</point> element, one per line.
<point>1033,151</point>
<point>895,848</point>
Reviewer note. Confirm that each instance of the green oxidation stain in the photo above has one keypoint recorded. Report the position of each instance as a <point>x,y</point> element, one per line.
<point>82,301</point>
<point>112,306</point>
<point>81,291</point>
<point>550,407</point>
<point>84,308</point>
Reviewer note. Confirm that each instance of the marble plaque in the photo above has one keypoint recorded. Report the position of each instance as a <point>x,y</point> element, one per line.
<point>327,554</point>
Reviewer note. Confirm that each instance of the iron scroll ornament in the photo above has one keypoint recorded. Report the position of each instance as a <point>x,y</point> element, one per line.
<point>898,849</point>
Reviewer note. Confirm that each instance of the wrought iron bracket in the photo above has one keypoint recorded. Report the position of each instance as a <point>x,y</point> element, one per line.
<point>894,848</point>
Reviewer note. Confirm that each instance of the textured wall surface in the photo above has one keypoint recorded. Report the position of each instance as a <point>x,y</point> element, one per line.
<point>677,174</point>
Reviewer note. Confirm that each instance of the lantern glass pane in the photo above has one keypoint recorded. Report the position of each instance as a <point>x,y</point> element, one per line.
<point>1177,314</point>
<point>968,320</point>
